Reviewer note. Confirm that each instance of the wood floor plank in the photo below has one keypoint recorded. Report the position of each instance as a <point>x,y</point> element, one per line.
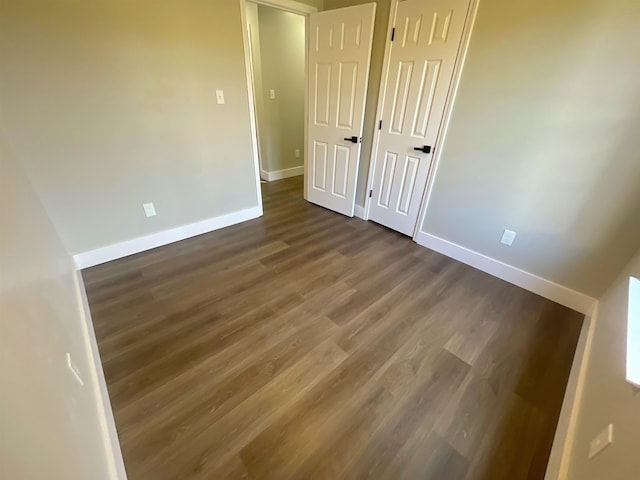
<point>308,345</point>
<point>211,445</point>
<point>170,397</point>
<point>442,462</point>
<point>233,469</point>
<point>323,410</point>
<point>331,459</point>
<point>420,408</point>
<point>215,403</point>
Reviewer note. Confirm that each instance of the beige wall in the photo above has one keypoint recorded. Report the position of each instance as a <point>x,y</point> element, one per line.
<point>375,73</point>
<point>282,58</point>
<point>111,103</point>
<point>51,426</point>
<point>606,397</point>
<point>544,140</point>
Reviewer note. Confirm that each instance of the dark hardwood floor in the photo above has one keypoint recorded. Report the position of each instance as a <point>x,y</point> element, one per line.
<point>308,345</point>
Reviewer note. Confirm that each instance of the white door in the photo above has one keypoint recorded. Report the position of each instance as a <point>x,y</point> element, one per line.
<point>339,55</point>
<point>425,44</point>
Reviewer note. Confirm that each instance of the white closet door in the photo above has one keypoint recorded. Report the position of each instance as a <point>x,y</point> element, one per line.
<point>423,54</point>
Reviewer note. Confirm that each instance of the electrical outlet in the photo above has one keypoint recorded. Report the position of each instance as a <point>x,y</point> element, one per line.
<point>508,237</point>
<point>149,209</point>
<point>602,441</point>
<point>272,94</point>
<point>297,153</point>
<point>74,370</point>
<point>220,97</point>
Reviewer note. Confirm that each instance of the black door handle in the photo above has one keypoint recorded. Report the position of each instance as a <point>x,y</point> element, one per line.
<point>353,139</point>
<point>423,149</point>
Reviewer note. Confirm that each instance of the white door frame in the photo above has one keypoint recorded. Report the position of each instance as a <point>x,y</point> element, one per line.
<point>254,100</point>
<point>288,6</point>
<point>442,131</point>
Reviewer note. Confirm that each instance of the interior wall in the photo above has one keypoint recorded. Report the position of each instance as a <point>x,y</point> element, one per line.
<point>543,140</point>
<point>606,397</point>
<point>51,426</point>
<point>373,89</point>
<point>282,57</point>
<point>111,104</point>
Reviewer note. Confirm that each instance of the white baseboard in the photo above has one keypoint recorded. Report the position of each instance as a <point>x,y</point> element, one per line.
<point>560,455</point>
<point>280,174</point>
<point>359,212</point>
<point>111,443</point>
<point>546,288</point>
<point>140,244</point>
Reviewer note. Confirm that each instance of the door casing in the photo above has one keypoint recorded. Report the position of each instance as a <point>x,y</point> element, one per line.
<point>287,6</point>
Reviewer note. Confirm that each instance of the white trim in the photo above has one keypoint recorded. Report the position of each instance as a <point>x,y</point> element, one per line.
<point>293,7</point>
<point>305,153</point>
<point>140,244</point>
<point>114,458</point>
<point>560,456</point>
<point>250,93</point>
<point>280,174</point>
<point>533,283</point>
<point>359,211</point>
<point>288,5</point>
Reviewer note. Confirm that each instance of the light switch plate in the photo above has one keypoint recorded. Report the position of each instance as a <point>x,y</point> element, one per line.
<point>272,94</point>
<point>149,209</point>
<point>220,97</point>
<point>602,441</point>
<point>508,237</point>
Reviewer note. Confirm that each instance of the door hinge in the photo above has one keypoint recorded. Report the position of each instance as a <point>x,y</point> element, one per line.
<point>370,193</point>
<point>393,33</point>
<point>380,126</point>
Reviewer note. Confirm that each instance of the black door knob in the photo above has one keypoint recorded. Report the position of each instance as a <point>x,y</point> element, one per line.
<point>423,149</point>
<point>353,139</point>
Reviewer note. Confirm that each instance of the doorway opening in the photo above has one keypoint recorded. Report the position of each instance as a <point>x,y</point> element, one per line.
<point>276,37</point>
<point>337,53</point>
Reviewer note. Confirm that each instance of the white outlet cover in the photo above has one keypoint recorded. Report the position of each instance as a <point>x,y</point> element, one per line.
<point>508,237</point>
<point>297,153</point>
<point>272,94</point>
<point>602,441</point>
<point>220,97</point>
<point>149,209</point>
